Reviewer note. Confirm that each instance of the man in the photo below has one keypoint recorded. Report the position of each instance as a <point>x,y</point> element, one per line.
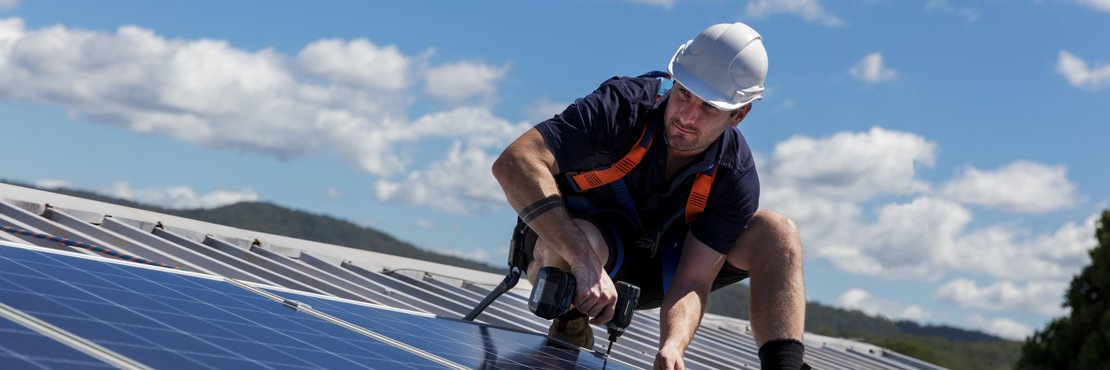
<point>614,189</point>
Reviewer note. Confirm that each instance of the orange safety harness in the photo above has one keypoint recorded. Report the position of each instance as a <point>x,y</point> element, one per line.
<point>699,192</point>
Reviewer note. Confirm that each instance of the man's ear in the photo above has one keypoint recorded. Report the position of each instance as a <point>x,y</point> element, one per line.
<point>739,115</point>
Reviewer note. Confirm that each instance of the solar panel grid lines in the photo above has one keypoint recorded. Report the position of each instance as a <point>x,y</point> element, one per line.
<point>370,333</point>
<point>466,343</point>
<point>26,342</point>
<point>631,348</point>
<point>199,319</point>
<point>217,267</point>
<point>541,327</point>
<point>111,238</point>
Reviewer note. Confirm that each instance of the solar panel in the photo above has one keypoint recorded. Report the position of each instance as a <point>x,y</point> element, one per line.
<point>170,319</point>
<point>23,348</point>
<point>471,345</point>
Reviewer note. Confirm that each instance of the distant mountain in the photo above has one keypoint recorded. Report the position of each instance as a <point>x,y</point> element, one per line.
<point>946,346</point>
<point>275,219</point>
<point>943,345</point>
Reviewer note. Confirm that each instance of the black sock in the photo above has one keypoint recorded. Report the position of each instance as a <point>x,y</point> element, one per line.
<point>781,354</point>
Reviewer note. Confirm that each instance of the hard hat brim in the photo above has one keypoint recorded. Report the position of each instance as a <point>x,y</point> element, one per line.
<point>703,90</point>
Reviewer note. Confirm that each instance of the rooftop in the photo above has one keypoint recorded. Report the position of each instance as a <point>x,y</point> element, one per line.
<point>237,297</point>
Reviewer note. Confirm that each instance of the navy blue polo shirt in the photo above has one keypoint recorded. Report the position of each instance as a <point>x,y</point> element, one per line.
<point>599,129</point>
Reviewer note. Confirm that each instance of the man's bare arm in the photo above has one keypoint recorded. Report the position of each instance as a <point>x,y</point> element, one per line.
<point>685,301</point>
<point>526,171</point>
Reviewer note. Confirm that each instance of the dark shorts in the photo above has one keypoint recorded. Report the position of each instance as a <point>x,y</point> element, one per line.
<point>630,263</point>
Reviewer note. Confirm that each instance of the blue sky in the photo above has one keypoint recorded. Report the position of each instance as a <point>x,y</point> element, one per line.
<point>943,159</point>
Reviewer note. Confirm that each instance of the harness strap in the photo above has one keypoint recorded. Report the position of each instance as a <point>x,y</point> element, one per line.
<point>583,181</point>
<point>699,193</point>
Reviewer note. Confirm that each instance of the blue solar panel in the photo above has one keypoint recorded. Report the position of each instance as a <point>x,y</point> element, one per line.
<point>22,348</point>
<point>168,320</point>
<point>171,320</point>
<point>466,343</point>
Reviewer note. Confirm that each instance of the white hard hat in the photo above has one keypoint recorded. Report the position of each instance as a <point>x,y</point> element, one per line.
<point>725,66</point>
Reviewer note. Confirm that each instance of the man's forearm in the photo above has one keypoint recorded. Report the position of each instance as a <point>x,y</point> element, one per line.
<point>530,188</point>
<point>681,314</point>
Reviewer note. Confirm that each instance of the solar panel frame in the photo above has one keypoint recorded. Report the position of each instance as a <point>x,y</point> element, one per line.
<point>265,276</point>
<point>24,345</point>
<point>113,239</point>
<point>340,276</point>
<point>215,266</point>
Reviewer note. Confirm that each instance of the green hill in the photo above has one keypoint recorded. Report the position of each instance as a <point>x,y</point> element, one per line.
<point>946,346</point>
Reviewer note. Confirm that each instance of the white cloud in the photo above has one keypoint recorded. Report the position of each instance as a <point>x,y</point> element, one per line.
<point>349,98</point>
<point>851,165</point>
<point>810,10</point>
<point>859,299</point>
<point>357,62</point>
<point>908,240</point>
<point>1103,5</point>
<point>1004,328</point>
<point>1000,250</point>
<point>178,197</point>
<point>1020,186</point>
<point>8,5</point>
<point>1079,74</point>
<point>53,184</point>
<point>870,69</point>
<point>457,81</point>
<point>822,183</point>
<point>463,181</point>
<point>1037,297</point>
<point>944,6</point>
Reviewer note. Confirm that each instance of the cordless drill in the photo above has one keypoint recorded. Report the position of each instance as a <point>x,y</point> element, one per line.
<point>553,293</point>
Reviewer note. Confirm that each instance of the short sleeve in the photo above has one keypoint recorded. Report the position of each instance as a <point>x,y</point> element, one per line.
<point>733,201</point>
<point>596,127</point>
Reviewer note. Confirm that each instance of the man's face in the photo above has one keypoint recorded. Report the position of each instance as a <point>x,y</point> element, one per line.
<point>692,124</point>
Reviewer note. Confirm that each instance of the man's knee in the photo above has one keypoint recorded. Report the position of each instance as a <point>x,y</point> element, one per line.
<point>770,236</point>
<point>544,255</point>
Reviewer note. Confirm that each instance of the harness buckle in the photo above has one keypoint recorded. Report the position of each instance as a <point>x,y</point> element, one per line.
<point>650,242</point>
<point>570,181</point>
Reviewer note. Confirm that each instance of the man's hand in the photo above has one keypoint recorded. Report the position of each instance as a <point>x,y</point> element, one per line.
<point>669,359</point>
<point>595,296</point>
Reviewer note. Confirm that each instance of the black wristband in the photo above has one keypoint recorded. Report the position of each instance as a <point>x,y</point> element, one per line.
<point>538,208</point>
<point>782,354</point>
